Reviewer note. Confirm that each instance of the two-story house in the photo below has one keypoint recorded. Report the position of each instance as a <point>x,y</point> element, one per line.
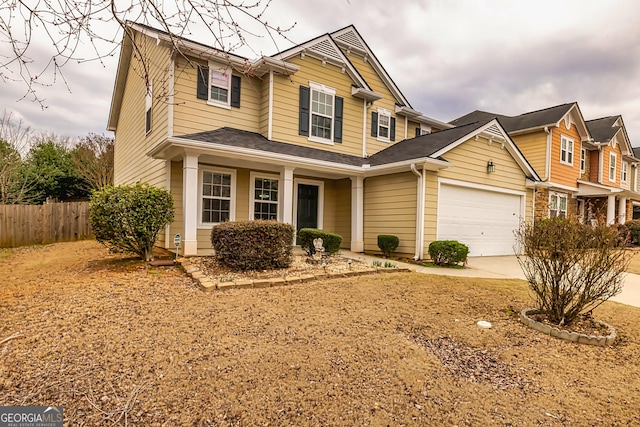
<point>318,135</point>
<point>586,168</point>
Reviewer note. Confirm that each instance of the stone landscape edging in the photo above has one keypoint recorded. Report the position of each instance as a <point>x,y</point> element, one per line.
<point>208,285</point>
<point>598,340</point>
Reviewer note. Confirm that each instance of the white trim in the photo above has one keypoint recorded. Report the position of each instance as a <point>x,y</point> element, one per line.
<point>613,159</point>
<point>624,172</point>
<point>167,229</point>
<point>364,129</point>
<point>171,99</point>
<point>569,151</point>
<point>148,108</point>
<point>320,185</point>
<point>270,119</point>
<point>357,214</point>
<point>386,113</point>
<point>232,205</point>
<point>252,188</point>
<point>583,160</point>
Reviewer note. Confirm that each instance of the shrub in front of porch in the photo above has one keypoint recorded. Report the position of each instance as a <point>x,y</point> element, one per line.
<point>253,245</point>
<point>330,241</point>
<point>571,267</point>
<point>448,252</point>
<point>387,244</point>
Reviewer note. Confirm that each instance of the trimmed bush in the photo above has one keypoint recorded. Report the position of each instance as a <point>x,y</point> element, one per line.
<point>448,252</point>
<point>128,218</point>
<point>633,227</point>
<point>253,245</point>
<point>330,241</point>
<point>388,243</point>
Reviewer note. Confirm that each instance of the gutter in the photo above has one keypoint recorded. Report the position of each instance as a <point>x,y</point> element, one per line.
<point>421,185</point>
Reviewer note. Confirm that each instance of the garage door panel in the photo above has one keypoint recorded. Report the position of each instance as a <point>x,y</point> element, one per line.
<point>483,220</point>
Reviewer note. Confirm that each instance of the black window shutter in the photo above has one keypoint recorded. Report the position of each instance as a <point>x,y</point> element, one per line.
<point>418,133</point>
<point>203,82</point>
<point>392,132</point>
<point>303,124</point>
<point>374,123</point>
<point>235,91</point>
<point>337,125</point>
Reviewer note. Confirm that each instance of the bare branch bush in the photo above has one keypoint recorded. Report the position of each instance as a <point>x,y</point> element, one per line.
<point>91,30</point>
<point>571,267</point>
<point>93,160</point>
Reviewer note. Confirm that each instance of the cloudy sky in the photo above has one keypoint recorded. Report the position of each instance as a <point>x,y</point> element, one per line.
<point>449,57</point>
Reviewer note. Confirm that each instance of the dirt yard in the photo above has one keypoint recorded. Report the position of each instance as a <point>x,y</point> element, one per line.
<point>118,343</point>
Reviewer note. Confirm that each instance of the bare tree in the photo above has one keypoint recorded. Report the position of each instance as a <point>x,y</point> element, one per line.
<point>15,138</point>
<point>93,160</point>
<point>70,27</point>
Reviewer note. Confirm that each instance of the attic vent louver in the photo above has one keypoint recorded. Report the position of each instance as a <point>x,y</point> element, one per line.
<point>326,48</point>
<point>351,39</point>
<point>494,130</point>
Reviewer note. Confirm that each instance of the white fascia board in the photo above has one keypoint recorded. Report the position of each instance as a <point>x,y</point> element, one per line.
<point>426,162</point>
<point>588,187</point>
<point>260,155</point>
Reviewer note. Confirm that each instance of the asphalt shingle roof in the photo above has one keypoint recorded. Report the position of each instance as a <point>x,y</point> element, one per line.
<point>533,119</point>
<point>602,129</point>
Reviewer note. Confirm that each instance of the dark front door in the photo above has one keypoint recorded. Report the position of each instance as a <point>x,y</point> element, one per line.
<point>307,206</point>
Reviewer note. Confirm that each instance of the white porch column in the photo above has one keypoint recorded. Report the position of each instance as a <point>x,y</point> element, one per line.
<point>190,204</point>
<point>611,209</point>
<point>357,214</point>
<point>622,210</point>
<point>287,195</point>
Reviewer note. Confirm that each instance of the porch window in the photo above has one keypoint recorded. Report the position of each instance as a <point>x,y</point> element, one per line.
<point>217,196</point>
<point>583,160</point>
<point>557,205</point>
<point>612,166</point>
<point>265,198</point>
<point>624,173</point>
<point>566,150</point>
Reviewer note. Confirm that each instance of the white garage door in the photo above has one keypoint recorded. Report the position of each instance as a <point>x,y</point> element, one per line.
<point>483,220</point>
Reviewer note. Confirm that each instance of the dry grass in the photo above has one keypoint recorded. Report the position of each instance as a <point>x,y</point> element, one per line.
<point>634,265</point>
<point>116,342</point>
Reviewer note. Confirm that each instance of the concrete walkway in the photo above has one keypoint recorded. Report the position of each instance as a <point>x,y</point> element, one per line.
<point>500,267</point>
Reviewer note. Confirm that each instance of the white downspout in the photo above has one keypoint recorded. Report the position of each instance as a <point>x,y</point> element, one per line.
<point>270,117</point>
<point>364,129</point>
<point>419,254</point>
<point>547,166</point>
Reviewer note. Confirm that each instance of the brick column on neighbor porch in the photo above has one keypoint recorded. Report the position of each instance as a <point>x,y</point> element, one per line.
<point>190,204</point>
<point>357,214</point>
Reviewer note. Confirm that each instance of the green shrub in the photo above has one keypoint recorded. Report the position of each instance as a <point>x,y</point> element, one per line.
<point>330,241</point>
<point>633,227</point>
<point>253,245</point>
<point>448,252</point>
<point>128,218</point>
<point>387,244</point>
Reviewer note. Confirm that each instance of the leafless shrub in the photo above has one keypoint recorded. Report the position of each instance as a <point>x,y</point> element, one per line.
<point>571,267</point>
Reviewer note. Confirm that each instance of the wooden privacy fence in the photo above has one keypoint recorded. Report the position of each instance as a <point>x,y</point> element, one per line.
<point>22,225</point>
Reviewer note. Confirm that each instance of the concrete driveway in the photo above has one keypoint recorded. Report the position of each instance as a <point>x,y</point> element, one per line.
<point>503,267</point>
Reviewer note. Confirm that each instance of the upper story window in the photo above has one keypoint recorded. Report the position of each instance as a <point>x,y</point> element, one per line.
<point>264,189</point>
<point>583,160</point>
<point>624,173</point>
<point>566,150</point>
<point>218,86</point>
<point>612,166</point>
<point>557,205</point>
<point>383,126</point>
<point>320,115</point>
<point>217,203</point>
<point>423,130</point>
<point>147,108</point>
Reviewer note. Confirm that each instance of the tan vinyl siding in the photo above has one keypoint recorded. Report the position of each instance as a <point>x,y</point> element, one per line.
<point>561,173</point>
<point>470,165</point>
<point>390,208</point>
<point>388,102</point>
<point>534,148</point>
<point>337,209</point>
<point>287,99</point>
<point>264,107</point>
<point>193,115</point>
<point>131,164</point>
<point>177,226</point>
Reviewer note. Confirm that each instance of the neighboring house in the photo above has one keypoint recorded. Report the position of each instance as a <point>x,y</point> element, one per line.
<point>317,136</point>
<point>587,168</point>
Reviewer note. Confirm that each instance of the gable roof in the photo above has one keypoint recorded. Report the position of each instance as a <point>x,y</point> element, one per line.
<point>603,129</point>
<point>527,121</point>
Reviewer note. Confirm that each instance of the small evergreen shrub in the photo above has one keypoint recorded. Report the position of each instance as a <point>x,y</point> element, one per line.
<point>253,245</point>
<point>330,241</point>
<point>633,227</point>
<point>387,244</point>
<point>128,218</point>
<point>448,252</point>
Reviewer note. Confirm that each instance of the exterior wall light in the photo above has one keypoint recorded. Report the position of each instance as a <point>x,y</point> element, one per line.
<point>491,167</point>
